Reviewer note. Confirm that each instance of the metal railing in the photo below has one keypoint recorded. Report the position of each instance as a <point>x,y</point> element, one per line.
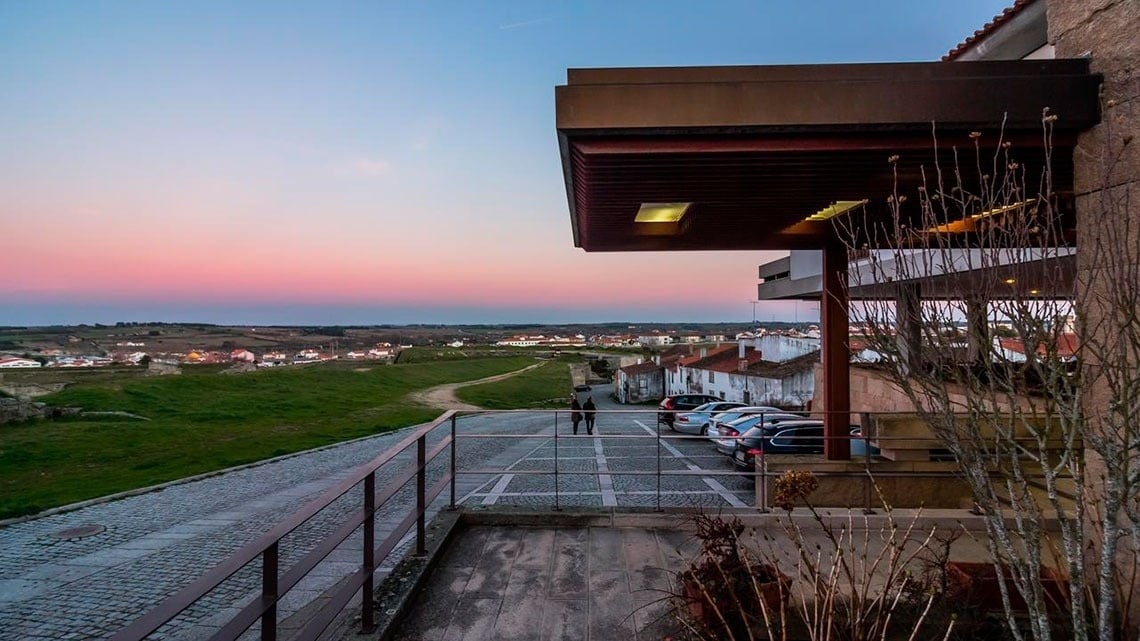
<point>275,583</point>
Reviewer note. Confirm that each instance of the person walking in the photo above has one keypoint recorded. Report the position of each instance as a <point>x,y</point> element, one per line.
<point>575,414</point>
<point>588,409</point>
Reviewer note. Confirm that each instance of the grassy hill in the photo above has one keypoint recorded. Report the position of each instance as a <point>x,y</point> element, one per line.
<point>204,421</point>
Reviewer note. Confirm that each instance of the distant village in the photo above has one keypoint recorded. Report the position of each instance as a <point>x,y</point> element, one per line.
<point>137,352</point>
<point>759,365</point>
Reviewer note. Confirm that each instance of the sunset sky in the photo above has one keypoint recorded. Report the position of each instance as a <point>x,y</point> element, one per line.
<point>362,162</point>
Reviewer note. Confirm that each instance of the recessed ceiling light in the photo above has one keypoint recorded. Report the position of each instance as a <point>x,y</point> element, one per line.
<point>661,212</point>
<point>836,208</point>
<point>1010,281</point>
<point>1004,208</point>
<point>1034,292</point>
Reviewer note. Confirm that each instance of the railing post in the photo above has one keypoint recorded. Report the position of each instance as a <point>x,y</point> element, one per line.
<point>867,481</point>
<point>453,450</point>
<point>269,592</point>
<point>367,606</point>
<point>659,464</point>
<point>557,507</point>
<point>421,509</point>
<point>763,474</point>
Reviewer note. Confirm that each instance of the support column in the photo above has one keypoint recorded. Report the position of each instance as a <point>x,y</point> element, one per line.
<point>977,330</point>
<point>836,355</point>
<point>908,325</point>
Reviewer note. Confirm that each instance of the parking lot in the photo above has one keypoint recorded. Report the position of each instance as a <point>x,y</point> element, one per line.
<point>618,465</point>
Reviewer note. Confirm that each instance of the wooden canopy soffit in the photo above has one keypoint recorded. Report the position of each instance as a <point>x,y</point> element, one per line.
<point>755,151</point>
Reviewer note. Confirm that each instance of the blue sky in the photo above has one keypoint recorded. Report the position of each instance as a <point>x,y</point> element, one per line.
<point>354,162</point>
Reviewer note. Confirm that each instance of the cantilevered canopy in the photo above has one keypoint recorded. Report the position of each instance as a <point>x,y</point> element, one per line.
<point>950,274</point>
<point>706,158</point>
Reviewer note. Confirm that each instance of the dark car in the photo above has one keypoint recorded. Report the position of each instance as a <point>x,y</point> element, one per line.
<point>788,437</point>
<point>582,388</point>
<point>670,405</point>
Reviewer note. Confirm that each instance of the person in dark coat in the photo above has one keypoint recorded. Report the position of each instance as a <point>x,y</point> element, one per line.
<point>588,409</point>
<point>575,414</point>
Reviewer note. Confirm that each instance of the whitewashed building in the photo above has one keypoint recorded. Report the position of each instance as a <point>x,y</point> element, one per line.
<point>18,363</point>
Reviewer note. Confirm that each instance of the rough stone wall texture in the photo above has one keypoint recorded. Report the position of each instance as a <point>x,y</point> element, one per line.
<point>1107,185</point>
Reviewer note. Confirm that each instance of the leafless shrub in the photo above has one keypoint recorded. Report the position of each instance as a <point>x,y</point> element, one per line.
<point>1055,438</point>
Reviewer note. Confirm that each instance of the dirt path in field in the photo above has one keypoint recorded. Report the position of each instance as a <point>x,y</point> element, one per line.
<point>443,396</point>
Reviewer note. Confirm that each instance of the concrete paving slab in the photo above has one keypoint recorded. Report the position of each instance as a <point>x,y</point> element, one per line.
<point>566,620</point>
<point>611,606</point>
<point>537,551</point>
<point>493,571</point>
<point>606,548</point>
<point>569,575</point>
<point>524,597</point>
<point>473,619</point>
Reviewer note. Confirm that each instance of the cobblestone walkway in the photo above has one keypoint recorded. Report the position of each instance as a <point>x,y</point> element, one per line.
<point>155,543</point>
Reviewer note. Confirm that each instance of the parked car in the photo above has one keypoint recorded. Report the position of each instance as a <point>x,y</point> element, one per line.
<point>727,433</point>
<point>697,421</point>
<point>731,415</point>
<point>859,445</point>
<point>789,437</point>
<point>581,388</point>
<point>671,405</point>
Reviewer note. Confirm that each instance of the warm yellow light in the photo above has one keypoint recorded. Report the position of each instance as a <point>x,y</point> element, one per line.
<point>836,208</point>
<point>1010,281</point>
<point>661,212</point>
<point>1001,210</point>
<point>1034,292</point>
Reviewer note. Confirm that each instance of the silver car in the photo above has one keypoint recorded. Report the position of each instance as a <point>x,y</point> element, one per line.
<point>731,415</point>
<point>696,421</point>
<point>728,433</point>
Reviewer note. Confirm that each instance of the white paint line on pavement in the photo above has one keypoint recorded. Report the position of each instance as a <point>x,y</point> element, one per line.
<point>493,496</point>
<point>478,490</point>
<point>605,481</point>
<point>711,482</point>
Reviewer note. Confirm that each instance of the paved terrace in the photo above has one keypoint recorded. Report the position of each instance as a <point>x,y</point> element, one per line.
<point>596,575</point>
<point>550,583</point>
<point>56,584</point>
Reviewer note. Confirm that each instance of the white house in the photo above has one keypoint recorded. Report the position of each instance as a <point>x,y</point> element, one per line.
<point>745,374</point>
<point>18,363</point>
<point>242,355</point>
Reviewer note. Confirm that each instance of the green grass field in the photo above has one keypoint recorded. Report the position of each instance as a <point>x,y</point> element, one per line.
<point>203,421</point>
<point>545,386</point>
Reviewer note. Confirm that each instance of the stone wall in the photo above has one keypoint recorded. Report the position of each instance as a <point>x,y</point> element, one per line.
<point>1107,185</point>
<point>15,410</point>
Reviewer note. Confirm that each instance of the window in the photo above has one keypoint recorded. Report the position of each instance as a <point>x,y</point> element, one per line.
<point>722,396</point>
<point>711,377</point>
<point>747,397</point>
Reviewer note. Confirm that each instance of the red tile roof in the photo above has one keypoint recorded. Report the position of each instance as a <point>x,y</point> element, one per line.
<point>981,34</point>
<point>727,360</point>
<point>640,368</point>
<point>1067,345</point>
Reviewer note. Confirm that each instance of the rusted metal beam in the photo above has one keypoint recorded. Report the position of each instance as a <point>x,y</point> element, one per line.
<point>836,355</point>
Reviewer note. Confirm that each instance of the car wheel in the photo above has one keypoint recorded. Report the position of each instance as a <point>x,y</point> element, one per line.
<point>705,430</point>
